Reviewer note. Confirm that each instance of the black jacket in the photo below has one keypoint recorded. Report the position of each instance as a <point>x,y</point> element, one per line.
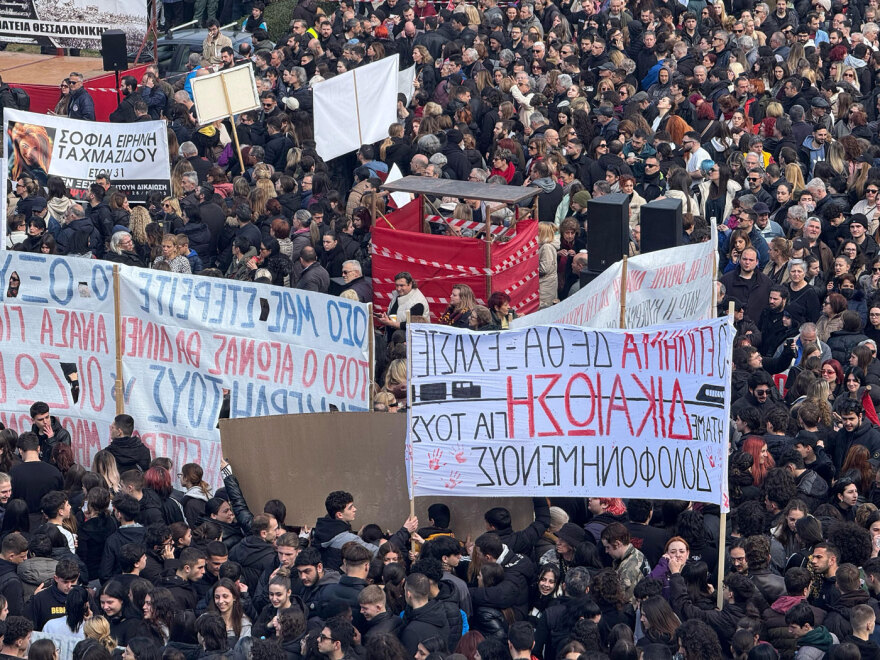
<point>130,454</point>
<point>842,342</point>
<point>110,559</point>
<point>124,113</point>
<point>10,587</point>
<point>385,623</point>
<point>92,535</point>
<point>254,555</point>
<point>513,590</point>
<point>183,591</point>
<point>47,444</point>
<point>723,621</point>
<point>448,597</point>
<point>422,623</point>
<point>841,442</point>
<point>524,541</point>
<point>347,590</point>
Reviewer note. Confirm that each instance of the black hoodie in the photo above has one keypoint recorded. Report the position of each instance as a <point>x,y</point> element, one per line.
<point>420,624</point>
<point>48,604</point>
<point>112,548</point>
<point>10,587</point>
<point>92,535</point>
<point>130,454</point>
<point>255,555</point>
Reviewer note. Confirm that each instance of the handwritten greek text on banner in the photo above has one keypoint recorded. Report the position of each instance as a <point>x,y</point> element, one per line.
<point>570,411</point>
<point>661,287</point>
<point>58,345</point>
<point>192,345</point>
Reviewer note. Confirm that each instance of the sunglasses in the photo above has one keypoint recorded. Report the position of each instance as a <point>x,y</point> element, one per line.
<point>754,178</point>
<point>871,191</point>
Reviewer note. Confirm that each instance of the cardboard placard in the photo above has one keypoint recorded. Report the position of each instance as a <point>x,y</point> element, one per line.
<point>210,99</point>
<point>300,459</point>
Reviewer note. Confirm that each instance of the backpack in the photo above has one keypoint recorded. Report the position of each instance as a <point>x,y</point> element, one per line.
<point>22,98</point>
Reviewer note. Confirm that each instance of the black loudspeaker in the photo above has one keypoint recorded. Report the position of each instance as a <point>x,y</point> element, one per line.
<point>114,50</point>
<point>607,231</point>
<point>661,225</point>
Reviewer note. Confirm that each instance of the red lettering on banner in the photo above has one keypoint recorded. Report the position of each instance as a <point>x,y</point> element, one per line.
<point>215,370</point>
<point>332,369</point>
<point>84,439</point>
<point>309,380</point>
<point>542,400</point>
<point>652,404</point>
<point>528,402</point>
<point>678,400</point>
<point>629,346</point>
<point>580,431</point>
<point>617,391</point>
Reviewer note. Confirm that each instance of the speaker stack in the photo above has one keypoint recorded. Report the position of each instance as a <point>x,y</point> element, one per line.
<point>661,224</point>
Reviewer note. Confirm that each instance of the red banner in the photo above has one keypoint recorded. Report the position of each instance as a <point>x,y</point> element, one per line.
<point>437,263</point>
<point>407,218</point>
<point>516,268</point>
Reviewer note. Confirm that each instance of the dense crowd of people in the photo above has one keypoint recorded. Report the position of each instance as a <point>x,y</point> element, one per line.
<point>761,118</point>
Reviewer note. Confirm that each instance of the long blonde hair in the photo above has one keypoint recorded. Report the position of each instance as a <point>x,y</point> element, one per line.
<point>795,177</point>
<point>137,224</point>
<point>104,464</point>
<point>98,628</point>
<point>466,298</point>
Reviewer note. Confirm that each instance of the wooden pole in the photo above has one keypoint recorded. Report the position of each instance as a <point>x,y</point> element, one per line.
<point>117,321</point>
<point>623,269</point>
<point>232,121</point>
<point>409,397</point>
<point>357,107</point>
<point>371,329</point>
<point>422,213</point>
<point>488,266</point>
<point>722,531</point>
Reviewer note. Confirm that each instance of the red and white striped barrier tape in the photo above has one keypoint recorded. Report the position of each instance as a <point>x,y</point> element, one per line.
<point>525,252</point>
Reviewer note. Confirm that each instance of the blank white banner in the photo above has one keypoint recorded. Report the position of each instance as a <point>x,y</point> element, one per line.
<point>355,108</point>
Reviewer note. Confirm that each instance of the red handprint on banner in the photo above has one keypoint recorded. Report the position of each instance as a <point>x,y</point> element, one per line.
<point>459,454</point>
<point>409,453</point>
<point>711,460</point>
<point>454,479</point>
<point>434,459</point>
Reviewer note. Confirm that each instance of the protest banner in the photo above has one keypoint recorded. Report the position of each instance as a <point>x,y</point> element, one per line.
<point>194,345</point>
<point>299,460</point>
<point>70,23</point>
<point>355,108</point>
<point>569,411</point>
<point>58,345</point>
<point>676,284</point>
<point>134,156</point>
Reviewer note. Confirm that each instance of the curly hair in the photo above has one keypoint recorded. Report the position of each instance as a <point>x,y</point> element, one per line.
<point>606,587</point>
<point>750,518</point>
<point>779,487</point>
<point>853,541</point>
<point>698,640</point>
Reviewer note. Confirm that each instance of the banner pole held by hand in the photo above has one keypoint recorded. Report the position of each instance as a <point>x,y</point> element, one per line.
<point>232,121</point>
<point>409,397</point>
<point>117,319</point>
<point>722,531</point>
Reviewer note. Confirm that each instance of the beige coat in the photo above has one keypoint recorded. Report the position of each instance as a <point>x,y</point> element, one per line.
<point>548,280</point>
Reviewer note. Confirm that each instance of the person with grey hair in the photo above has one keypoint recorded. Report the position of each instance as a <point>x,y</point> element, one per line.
<point>506,57</point>
<point>720,46</point>
<point>122,250</point>
<point>188,149</point>
<point>81,104</point>
<point>429,145</point>
<point>478,175</point>
<point>439,161</point>
<point>353,274</point>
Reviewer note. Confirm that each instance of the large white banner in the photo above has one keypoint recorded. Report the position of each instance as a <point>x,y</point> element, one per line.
<point>58,345</point>
<point>355,108</point>
<point>192,345</point>
<point>71,23</point>
<point>661,287</point>
<point>570,411</point>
